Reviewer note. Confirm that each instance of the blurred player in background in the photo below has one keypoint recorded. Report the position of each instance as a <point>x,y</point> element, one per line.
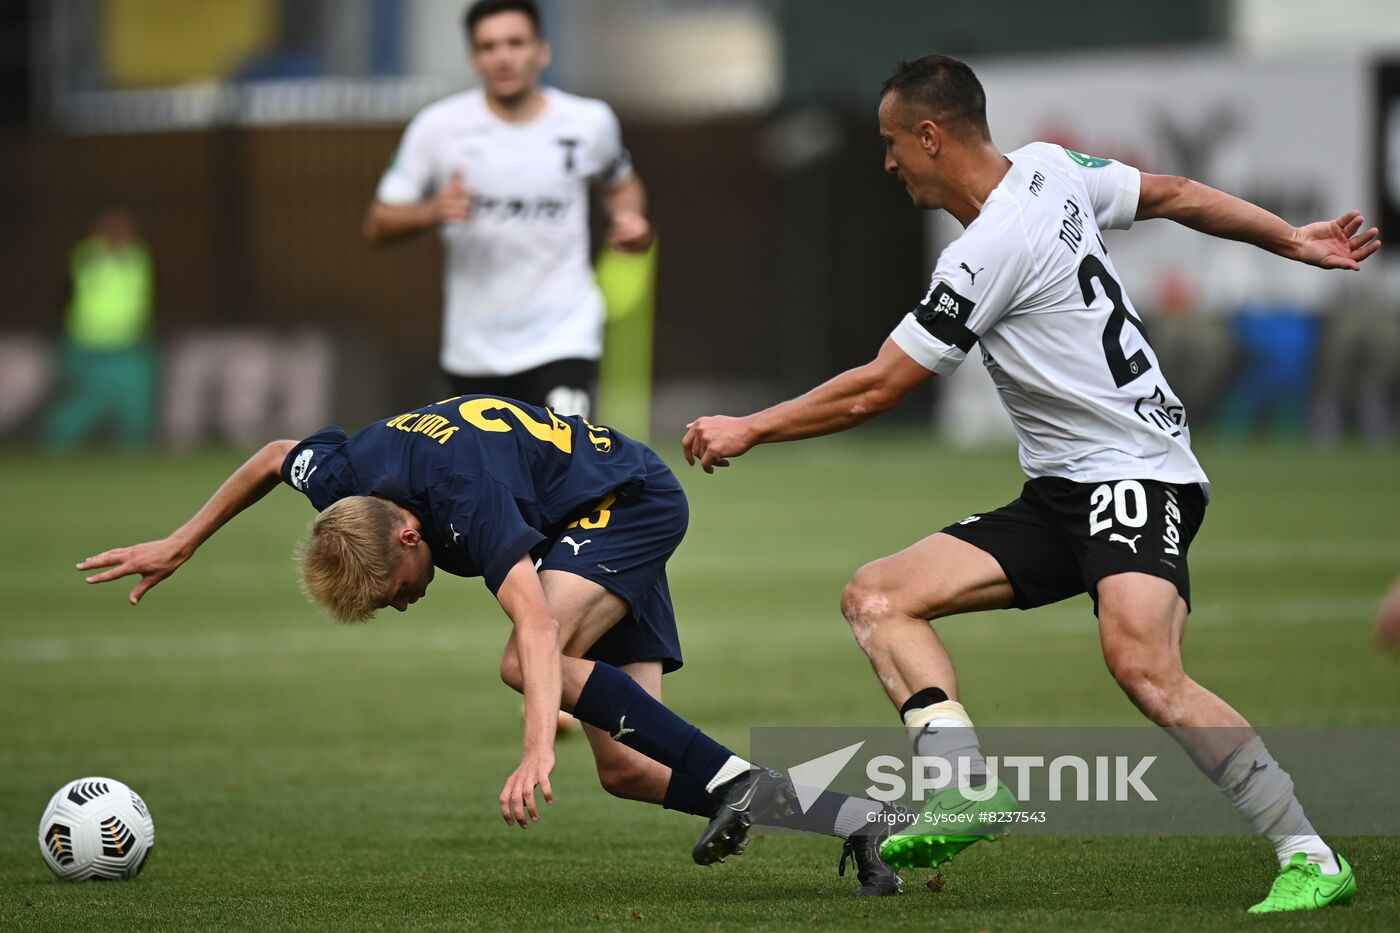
<point>109,364</point>
<point>1115,494</point>
<point>570,525</point>
<point>504,173</point>
<point>1388,622</point>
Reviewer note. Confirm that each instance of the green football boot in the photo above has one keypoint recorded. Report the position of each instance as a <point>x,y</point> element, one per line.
<point>948,824</point>
<point>1301,885</point>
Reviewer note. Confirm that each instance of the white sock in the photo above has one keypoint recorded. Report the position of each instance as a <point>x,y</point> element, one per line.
<point>1262,792</point>
<point>727,772</point>
<point>944,730</point>
<point>1316,850</point>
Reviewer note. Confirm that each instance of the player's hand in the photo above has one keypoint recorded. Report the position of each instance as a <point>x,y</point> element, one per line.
<point>153,560</point>
<point>518,797</point>
<point>1336,244</point>
<point>629,232</point>
<point>1388,622</point>
<point>714,440</point>
<point>453,204</point>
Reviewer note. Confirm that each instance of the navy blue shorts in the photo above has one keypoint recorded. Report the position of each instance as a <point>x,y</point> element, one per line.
<point>623,544</point>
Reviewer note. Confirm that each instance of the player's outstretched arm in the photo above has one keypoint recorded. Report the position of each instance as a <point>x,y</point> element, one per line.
<point>385,223</point>
<point>156,560</point>
<point>537,643</point>
<point>1328,244</point>
<point>852,398</point>
<point>1388,622</point>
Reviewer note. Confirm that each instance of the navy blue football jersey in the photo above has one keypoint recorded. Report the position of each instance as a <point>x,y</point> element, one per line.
<point>489,478</point>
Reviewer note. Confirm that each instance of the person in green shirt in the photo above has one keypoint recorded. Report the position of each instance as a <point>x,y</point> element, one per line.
<point>108,360</point>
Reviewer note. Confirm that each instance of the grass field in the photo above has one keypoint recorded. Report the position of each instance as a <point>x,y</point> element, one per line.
<point>303,775</point>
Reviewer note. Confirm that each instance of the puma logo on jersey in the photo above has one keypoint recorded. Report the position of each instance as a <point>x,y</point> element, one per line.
<point>970,274</point>
<point>1130,542</point>
<point>1171,536</point>
<point>576,545</point>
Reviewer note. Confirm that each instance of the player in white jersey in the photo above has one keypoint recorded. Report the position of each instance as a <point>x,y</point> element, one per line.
<point>1114,494</point>
<point>504,173</point>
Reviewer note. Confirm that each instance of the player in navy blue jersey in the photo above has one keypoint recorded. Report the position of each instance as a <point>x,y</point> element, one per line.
<point>570,525</point>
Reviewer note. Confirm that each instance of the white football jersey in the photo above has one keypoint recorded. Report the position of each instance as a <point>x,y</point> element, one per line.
<point>518,286</point>
<point>1031,282</point>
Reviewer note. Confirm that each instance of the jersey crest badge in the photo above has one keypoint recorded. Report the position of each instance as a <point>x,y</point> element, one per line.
<point>569,145</point>
<point>1088,161</point>
<point>300,472</point>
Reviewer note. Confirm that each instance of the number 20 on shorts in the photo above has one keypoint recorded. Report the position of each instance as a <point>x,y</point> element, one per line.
<point>1128,500</point>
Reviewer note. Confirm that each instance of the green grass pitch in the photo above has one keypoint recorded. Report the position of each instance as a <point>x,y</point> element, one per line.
<point>303,775</point>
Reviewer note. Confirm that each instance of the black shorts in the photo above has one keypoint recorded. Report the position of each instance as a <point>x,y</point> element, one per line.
<point>570,387</point>
<point>623,543</point>
<point>1060,538</point>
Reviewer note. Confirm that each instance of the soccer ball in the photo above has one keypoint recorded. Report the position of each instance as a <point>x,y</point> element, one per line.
<point>97,828</point>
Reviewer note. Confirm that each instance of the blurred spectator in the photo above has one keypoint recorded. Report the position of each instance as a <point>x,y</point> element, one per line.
<point>1191,338</point>
<point>1277,343</point>
<point>1358,374</point>
<point>108,362</point>
<point>503,172</point>
<point>1388,623</point>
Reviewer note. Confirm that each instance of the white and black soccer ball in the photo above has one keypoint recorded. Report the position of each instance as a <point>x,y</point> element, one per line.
<point>96,828</point>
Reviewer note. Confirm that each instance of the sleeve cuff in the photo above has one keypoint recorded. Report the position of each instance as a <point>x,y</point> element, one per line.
<point>1129,191</point>
<point>397,192</point>
<point>515,548</point>
<point>910,337</point>
<point>619,171</point>
<point>284,472</point>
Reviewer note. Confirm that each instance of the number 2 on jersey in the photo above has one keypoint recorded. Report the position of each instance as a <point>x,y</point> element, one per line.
<point>485,414</point>
<point>1123,367</point>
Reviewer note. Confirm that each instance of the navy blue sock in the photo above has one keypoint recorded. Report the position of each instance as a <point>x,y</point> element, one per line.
<point>820,817</point>
<point>617,704</point>
<point>687,794</point>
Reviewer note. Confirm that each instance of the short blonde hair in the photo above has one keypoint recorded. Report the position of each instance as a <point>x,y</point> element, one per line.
<point>348,555</point>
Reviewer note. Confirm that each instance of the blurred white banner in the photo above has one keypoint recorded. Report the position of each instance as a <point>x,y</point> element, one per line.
<point>1292,135</point>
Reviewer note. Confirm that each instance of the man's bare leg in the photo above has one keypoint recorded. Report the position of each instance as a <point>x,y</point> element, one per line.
<point>1142,620</point>
<point>890,602</point>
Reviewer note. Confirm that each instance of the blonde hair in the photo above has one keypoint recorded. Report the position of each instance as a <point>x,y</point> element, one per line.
<point>347,556</point>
